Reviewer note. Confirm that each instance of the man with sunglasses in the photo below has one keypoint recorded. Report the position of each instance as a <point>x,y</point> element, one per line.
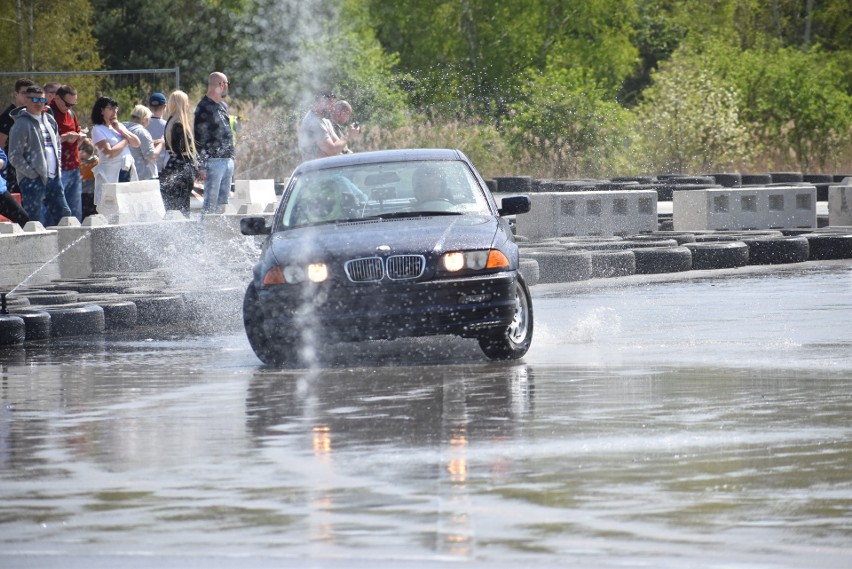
<point>70,133</point>
<point>35,152</point>
<point>19,98</point>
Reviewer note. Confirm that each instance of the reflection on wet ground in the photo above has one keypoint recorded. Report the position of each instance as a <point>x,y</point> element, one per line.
<point>617,442</point>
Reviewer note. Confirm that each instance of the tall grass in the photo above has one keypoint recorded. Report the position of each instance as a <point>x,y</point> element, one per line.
<point>267,147</point>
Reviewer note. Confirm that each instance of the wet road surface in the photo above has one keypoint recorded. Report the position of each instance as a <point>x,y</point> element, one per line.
<point>687,423</point>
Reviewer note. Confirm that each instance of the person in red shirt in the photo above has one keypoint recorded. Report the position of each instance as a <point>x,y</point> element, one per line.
<point>70,133</point>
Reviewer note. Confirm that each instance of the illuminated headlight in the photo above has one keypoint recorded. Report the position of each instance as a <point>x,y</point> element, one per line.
<point>317,272</point>
<point>474,260</point>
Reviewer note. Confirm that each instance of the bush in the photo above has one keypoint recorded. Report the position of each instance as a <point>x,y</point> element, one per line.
<point>689,120</point>
<point>565,125</point>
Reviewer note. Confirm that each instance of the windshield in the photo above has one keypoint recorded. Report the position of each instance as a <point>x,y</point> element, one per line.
<point>392,189</point>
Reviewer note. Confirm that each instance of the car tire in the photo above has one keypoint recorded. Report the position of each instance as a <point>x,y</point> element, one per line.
<point>777,250</point>
<point>824,246</point>
<point>562,266</point>
<point>268,350</point>
<point>76,320</point>
<point>119,314</point>
<point>512,342</point>
<point>158,309</point>
<point>529,269</point>
<point>36,323</point>
<point>12,330</point>
<point>654,260</point>
<point>609,264</point>
<point>53,297</point>
<point>718,255</point>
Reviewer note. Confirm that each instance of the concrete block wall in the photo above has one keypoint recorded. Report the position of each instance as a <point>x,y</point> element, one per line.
<point>74,250</point>
<point>25,251</point>
<point>132,201</point>
<point>776,207</point>
<point>560,214</point>
<point>254,192</point>
<point>840,203</point>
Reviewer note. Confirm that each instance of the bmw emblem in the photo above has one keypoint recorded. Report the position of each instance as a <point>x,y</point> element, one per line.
<point>383,248</point>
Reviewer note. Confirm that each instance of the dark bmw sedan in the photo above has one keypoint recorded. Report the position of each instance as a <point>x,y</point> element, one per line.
<point>382,245</point>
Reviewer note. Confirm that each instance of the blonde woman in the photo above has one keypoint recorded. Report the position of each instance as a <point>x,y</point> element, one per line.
<point>178,177</point>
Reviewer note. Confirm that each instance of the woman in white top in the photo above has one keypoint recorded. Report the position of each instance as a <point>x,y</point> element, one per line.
<point>113,142</point>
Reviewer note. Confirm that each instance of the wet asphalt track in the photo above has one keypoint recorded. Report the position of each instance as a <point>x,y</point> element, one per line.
<point>657,422</point>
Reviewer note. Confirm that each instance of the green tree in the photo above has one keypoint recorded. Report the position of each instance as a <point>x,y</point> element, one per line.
<point>297,49</point>
<point>689,119</point>
<point>796,100</point>
<point>568,124</point>
<point>197,36</point>
<point>46,36</point>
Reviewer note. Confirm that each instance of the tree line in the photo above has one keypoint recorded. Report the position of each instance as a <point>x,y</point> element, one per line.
<point>562,87</point>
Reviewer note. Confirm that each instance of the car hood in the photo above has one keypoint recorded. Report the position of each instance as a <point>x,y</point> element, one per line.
<point>422,235</point>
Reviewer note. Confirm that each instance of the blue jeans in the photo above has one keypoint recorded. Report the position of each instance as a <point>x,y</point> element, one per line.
<point>44,203</point>
<point>73,184</point>
<point>217,186</point>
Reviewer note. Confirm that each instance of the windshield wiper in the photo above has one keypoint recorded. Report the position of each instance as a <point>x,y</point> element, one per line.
<point>403,214</point>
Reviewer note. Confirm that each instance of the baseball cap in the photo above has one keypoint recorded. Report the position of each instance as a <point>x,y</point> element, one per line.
<point>157,99</point>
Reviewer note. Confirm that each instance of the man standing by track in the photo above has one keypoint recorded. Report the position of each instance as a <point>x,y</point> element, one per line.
<point>214,141</point>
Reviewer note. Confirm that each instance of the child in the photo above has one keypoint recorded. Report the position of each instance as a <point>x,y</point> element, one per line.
<point>88,160</point>
<point>10,209</point>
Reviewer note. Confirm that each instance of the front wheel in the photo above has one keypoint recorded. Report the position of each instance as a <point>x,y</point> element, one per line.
<point>512,342</point>
<point>267,349</point>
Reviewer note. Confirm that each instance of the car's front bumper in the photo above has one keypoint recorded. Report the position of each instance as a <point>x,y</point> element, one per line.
<point>464,306</point>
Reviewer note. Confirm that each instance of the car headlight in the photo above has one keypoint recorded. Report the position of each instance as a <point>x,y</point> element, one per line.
<point>474,260</point>
<point>295,274</point>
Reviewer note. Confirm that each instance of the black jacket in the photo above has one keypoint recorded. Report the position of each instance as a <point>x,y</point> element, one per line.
<point>213,135</point>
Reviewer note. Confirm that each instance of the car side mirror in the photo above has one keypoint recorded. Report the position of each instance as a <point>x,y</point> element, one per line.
<point>254,226</point>
<point>514,205</point>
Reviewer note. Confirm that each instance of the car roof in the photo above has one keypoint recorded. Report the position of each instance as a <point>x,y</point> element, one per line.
<point>379,156</point>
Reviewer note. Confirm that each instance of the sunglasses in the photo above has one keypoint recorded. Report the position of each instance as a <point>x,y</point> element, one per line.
<point>38,99</point>
<point>66,103</point>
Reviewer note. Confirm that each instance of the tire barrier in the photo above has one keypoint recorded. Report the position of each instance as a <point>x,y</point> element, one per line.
<point>777,250</point>
<point>36,323</point>
<point>786,177</point>
<point>159,309</point>
<point>756,179</point>
<point>728,180</point>
<point>827,246</point>
<point>718,255</point>
<point>735,235</point>
<point>54,297</point>
<point>82,320</point>
<point>513,184</point>
<point>530,271</point>
<point>562,266</point>
<point>654,260</point>
<point>610,264</point>
<point>119,314</point>
<point>12,331</point>
<point>678,236</point>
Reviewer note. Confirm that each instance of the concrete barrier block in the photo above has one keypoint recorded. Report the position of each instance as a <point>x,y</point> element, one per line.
<point>68,222</point>
<point>541,221</point>
<point>9,228</point>
<point>251,208</point>
<point>260,192</point>
<point>130,202</point>
<point>560,214</point>
<point>606,213</point>
<point>840,203</point>
<point>776,207</point>
<point>34,227</point>
<point>96,220</point>
<point>28,256</point>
